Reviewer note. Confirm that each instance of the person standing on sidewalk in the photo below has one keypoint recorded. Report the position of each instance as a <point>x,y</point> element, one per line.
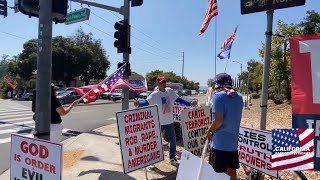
<point>57,111</point>
<point>227,105</point>
<point>165,97</point>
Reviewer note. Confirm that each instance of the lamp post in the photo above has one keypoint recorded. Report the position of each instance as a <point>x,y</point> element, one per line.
<point>240,74</point>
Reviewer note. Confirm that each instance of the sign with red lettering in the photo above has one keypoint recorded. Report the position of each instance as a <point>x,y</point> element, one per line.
<point>255,150</point>
<point>305,80</point>
<point>35,159</point>
<point>140,137</point>
<point>195,125</point>
<point>176,109</point>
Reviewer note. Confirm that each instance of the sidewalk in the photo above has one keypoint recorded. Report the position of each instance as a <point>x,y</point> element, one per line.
<point>96,155</point>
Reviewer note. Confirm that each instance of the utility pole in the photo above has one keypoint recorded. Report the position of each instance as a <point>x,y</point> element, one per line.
<point>126,16</point>
<point>240,79</point>
<point>44,70</point>
<point>182,64</point>
<point>266,67</point>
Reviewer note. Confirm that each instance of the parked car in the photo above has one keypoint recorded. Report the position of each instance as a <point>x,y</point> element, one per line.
<point>194,92</point>
<point>27,96</point>
<point>63,89</point>
<point>106,95</point>
<point>186,92</point>
<point>68,97</point>
<point>144,95</point>
<point>118,95</point>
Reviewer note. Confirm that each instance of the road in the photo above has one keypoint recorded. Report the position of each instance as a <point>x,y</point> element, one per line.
<point>16,117</point>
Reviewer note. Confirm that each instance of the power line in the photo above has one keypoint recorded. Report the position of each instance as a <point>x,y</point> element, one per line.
<point>98,29</point>
<point>14,35</point>
<point>150,52</point>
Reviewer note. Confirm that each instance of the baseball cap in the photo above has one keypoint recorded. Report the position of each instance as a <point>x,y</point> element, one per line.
<point>161,79</point>
<point>223,79</point>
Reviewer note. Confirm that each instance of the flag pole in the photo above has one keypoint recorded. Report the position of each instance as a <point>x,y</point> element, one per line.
<point>225,69</point>
<point>106,79</point>
<point>203,155</point>
<point>215,46</point>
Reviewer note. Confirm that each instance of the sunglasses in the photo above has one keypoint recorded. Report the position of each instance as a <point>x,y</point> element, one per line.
<point>163,82</point>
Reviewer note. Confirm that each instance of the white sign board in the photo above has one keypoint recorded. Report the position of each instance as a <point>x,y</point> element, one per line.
<point>140,137</point>
<point>195,125</point>
<point>35,159</point>
<point>190,165</point>
<point>255,150</point>
<point>177,109</point>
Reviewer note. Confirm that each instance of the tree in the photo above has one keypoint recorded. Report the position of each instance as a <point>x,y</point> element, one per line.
<point>311,23</point>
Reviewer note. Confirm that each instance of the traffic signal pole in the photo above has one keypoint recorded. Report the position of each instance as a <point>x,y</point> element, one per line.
<point>126,16</point>
<point>44,69</point>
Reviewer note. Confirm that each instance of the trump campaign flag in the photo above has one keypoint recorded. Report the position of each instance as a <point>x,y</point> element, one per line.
<point>292,149</point>
<point>211,12</point>
<point>94,90</point>
<point>227,45</point>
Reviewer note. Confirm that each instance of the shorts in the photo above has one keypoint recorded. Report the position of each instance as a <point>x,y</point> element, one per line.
<point>222,160</point>
<point>56,132</point>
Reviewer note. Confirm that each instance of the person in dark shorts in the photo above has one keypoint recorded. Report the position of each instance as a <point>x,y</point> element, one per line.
<point>224,131</point>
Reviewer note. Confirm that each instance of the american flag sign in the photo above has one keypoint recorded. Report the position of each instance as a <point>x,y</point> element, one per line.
<point>211,12</point>
<point>292,149</point>
<point>133,85</point>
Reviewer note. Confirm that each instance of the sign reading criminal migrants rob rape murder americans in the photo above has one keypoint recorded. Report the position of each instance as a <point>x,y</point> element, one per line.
<point>195,125</point>
<point>140,137</point>
<point>35,159</point>
<point>255,150</point>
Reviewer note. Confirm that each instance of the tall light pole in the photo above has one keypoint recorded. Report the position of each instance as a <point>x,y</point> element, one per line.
<point>240,73</point>
<point>182,64</point>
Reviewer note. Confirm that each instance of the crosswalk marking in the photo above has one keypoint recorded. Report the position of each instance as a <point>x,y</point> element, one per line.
<point>18,115</point>
<point>16,124</point>
<point>14,113</point>
<point>15,130</point>
<point>7,140</point>
<point>15,119</point>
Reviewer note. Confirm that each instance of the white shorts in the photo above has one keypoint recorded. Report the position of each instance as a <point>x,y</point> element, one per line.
<point>56,132</point>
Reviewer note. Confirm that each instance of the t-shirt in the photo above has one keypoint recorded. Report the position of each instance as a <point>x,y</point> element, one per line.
<point>55,117</point>
<point>226,137</point>
<point>165,101</point>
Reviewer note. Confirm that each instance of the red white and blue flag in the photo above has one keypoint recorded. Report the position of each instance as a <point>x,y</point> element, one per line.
<point>133,85</point>
<point>227,45</point>
<point>212,11</point>
<point>292,149</point>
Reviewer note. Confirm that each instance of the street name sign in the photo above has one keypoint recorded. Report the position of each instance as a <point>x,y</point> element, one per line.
<point>253,6</point>
<point>78,16</point>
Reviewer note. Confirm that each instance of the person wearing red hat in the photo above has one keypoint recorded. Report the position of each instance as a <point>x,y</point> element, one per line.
<point>227,105</point>
<point>165,97</point>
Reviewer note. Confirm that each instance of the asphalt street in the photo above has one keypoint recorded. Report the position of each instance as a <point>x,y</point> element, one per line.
<point>16,117</point>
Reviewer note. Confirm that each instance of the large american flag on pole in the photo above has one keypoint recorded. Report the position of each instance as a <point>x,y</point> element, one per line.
<point>133,85</point>
<point>211,12</point>
<point>292,149</point>
<point>229,39</point>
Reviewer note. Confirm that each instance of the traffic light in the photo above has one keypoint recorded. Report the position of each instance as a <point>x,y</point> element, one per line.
<point>122,42</point>
<point>4,8</point>
<point>31,8</point>
<point>127,71</point>
<point>135,3</point>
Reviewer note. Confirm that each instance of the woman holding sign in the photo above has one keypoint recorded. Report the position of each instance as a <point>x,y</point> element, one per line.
<point>165,97</point>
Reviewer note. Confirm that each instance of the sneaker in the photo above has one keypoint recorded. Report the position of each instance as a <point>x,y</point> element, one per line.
<point>152,167</point>
<point>174,162</point>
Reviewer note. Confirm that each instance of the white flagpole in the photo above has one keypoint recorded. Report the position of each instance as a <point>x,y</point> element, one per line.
<point>215,46</point>
<point>203,155</point>
<point>106,79</point>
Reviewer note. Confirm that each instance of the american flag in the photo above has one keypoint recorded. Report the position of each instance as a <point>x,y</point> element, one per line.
<point>211,12</point>
<point>284,157</point>
<point>103,86</point>
<point>133,85</point>
<point>229,39</point>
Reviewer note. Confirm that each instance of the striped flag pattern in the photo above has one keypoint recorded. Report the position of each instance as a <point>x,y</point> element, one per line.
<point>288,159</point>
<point>211,12</point>
<point>133,85</point>
<point>229,39</point>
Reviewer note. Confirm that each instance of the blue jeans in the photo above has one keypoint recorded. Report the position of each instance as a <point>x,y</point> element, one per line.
<point>169,129</point>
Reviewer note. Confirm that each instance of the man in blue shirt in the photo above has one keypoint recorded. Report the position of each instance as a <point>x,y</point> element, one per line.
<point>224,131</point>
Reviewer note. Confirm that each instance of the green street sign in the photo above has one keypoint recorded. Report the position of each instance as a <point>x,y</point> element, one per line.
<point>78,16</point>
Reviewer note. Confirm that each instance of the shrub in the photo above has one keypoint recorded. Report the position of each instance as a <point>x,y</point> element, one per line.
<point>278,99</point>
<point>255,96</point>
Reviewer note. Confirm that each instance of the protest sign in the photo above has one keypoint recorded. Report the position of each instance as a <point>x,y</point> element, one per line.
<point>255,150</point>
<point>195,125</point>
<point>189,166</point>
<point>35,159</point>
<point>305,70</point>
<point>177,112</point>
<point>140,137</point>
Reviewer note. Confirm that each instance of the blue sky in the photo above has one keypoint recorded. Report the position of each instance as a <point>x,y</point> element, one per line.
<point>162,30</point>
